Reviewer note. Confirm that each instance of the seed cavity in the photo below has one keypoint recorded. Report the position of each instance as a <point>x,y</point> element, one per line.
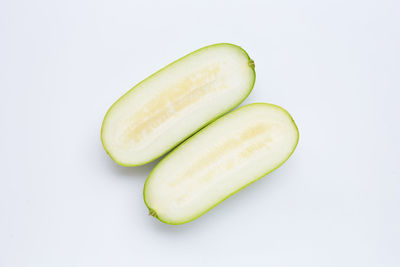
<point>221,159</point>
<point>171,101</point>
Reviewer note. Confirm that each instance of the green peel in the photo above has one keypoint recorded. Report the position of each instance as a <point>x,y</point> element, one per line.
<point>166,207</point>
<point>136,154</point>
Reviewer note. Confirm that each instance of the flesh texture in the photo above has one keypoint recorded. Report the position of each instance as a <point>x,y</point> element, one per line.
<point>172,104</point>
<point>224,157</point>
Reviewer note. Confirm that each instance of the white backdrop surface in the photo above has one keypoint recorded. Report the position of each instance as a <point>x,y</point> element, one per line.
<point>334,65</point>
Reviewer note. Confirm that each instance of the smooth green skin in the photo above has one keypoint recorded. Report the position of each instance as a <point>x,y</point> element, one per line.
<point>153,212</point>
<point>251,85</point>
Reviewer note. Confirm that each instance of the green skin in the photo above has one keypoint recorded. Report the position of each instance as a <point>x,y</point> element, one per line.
<point>154,213</point>
<point>251,85</point>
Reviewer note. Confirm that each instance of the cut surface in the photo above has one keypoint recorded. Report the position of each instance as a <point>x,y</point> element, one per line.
<point>224,157</point>
<point>175,102</point>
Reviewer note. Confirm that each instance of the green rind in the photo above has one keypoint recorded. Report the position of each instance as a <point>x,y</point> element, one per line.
<point>251,86</point>
<point>194,136</point>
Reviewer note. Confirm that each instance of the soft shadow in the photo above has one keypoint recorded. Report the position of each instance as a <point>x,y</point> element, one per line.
<point>121,171</point>
<point>141,171</point>
<point>200,224</point>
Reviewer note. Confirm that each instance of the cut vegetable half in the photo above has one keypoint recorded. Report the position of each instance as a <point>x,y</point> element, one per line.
<point>218,161</point>
<point>172,104</point>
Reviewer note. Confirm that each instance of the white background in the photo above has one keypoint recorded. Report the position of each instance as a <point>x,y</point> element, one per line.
<point>334,65</point>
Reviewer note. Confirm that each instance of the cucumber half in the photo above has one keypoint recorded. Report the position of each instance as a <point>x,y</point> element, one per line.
<point>173,103</point>
<point>218,161</point>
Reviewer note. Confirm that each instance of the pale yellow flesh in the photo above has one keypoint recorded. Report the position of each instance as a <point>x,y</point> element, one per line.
<point>171,101</point>
<point>175,102</point>
<point>224,157</point>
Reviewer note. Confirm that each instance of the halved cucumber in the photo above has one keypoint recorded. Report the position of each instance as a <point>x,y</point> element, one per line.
<point>172,104</point>
<point>218,161</point>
